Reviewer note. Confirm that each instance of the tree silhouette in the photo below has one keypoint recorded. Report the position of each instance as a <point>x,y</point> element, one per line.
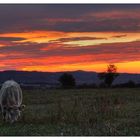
<point>130,84</point>
<point>67,80</point>
<point>110,75</point>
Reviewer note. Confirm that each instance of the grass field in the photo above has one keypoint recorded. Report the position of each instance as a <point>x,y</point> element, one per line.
<point>78,112</point>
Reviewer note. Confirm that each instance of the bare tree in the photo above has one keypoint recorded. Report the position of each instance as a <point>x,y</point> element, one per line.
<point>110,75</point>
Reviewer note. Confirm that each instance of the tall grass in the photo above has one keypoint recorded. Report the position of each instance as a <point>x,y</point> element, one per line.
<point>79,112</point>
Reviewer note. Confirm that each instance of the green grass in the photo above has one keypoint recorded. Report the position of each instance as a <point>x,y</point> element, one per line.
<point>78,112</point>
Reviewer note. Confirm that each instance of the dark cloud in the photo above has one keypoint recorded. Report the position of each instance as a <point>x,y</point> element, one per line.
<point>11,39</point>
<point>24,48</point>
<point>76,39</point>
<point>69,17</point>
<point>119,36</point>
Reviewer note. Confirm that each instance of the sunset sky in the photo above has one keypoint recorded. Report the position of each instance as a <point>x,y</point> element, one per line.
<point>67,37</point>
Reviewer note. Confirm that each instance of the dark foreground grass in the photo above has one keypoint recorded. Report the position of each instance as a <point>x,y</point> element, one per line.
<point>78,112</point>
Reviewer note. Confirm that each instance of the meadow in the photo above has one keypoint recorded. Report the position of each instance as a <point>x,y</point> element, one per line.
<point>78,112</point>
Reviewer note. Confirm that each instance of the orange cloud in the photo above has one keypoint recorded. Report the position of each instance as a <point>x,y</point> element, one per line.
<point>36,36</point>
<point>98,37</point>
<point>64,51</point>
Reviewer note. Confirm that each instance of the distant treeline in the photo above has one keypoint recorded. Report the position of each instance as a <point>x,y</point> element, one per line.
<point>129,84</point>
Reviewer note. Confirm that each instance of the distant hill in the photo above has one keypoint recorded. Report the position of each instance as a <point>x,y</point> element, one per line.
<point>52,77</point>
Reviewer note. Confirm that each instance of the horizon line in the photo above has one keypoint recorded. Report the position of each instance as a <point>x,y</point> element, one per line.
<point>62,71</point>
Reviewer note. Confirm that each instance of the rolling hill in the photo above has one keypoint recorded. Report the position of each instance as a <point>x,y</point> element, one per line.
<point>52,77</point>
